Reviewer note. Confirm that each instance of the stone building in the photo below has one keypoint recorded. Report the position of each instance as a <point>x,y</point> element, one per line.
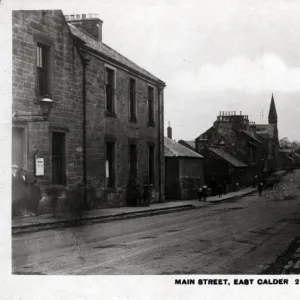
<point>106,124</point>
<point>268,133</point>
<point>183,170</point>
<point>234,137</point>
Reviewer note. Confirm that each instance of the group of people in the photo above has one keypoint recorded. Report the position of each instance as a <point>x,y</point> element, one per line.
<point>222,189</point>
<point>137,196</point>
<point>217,189</point>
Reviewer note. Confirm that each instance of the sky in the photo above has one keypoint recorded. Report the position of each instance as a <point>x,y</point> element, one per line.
<point>213,55</point>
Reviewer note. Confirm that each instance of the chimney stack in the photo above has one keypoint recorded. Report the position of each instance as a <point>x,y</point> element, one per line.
<point>90,23</point>
<point>169,131</point>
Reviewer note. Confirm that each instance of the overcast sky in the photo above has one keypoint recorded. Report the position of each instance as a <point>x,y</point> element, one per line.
<point>214,55</point>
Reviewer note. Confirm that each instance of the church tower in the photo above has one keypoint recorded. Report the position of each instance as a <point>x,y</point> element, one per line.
<point>273,119</point>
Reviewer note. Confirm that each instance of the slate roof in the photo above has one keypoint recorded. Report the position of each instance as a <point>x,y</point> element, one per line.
<point>105,50</point>
<point>174,149</point>
<point>228,157</point>
<point>252,136</point>
<point>263,128</point>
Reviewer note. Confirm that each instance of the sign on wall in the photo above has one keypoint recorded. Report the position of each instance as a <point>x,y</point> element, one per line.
<point>39,166</point>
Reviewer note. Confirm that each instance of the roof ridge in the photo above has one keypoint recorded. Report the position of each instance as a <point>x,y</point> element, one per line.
<point>127,62</point>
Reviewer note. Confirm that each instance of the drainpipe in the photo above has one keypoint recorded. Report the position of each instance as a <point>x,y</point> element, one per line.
<point>159,143</point>
<point>85,61</point>
<point>84,131</point>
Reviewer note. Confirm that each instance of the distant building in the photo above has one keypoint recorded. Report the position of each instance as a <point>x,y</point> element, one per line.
<point>223,167</point>
<point>269,133</point>
<point>234,137</point>
<point>288,158</point>
<point>183,170</point>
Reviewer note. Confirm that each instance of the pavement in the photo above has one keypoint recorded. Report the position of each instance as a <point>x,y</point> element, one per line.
<point>41,222</point>
<point>242,235</point>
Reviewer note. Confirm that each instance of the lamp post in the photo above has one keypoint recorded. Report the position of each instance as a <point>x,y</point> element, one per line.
<point>45,106</point>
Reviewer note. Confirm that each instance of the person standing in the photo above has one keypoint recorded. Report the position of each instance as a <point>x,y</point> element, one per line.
<point>200,193</point>
<point>204,192</point>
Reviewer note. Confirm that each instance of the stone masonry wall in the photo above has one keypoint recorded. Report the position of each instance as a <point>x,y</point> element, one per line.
<point>122,131</point>
<point>30,27</point>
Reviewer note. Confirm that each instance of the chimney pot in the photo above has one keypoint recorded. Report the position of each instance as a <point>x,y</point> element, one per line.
<point>169,132</point>
<point>89,23</point>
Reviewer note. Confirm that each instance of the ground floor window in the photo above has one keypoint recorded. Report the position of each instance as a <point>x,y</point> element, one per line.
<point>59,158</point>
<point>110,164</point>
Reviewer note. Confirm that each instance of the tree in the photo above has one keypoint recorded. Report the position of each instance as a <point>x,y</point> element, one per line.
<point>285,143</point>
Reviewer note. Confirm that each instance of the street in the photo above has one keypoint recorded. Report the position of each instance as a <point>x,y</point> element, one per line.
<point>240,236</point>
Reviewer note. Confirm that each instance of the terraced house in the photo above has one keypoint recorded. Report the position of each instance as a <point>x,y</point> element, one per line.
<point>106,122</point>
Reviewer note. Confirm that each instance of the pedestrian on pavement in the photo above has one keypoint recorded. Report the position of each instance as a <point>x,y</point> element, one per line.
<point>260,187</point>
<point>204,192</point>
<point>200,193</point>
<point>146,195</point>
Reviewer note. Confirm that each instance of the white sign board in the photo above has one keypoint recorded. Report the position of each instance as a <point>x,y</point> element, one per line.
<point>39,167</point>
<point>107,169</point>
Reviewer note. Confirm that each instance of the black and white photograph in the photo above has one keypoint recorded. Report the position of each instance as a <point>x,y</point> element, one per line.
<point>155,138</point>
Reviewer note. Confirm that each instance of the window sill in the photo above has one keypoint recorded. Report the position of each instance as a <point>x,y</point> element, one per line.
<point>110,114</point>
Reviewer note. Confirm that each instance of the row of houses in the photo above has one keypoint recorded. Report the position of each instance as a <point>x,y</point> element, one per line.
<point>234,151</point>
<point>106,121</point>
<point>102,120</point>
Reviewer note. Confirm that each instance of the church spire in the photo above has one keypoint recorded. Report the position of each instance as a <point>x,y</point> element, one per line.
<point>272,112</point>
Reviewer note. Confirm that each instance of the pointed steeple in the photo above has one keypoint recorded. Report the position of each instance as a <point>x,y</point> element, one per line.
<point>272,112</point>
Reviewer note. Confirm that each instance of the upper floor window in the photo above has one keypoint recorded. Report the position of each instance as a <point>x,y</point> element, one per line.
<point>150,106</point>
<point>110,90</point>
<point>43,70</point>
<point>132,100</point>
